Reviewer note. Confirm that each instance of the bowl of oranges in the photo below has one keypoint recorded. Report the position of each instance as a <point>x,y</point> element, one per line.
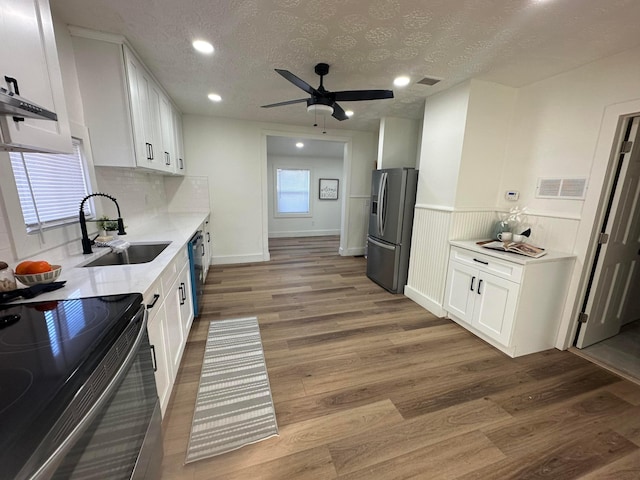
<point>34,272</point>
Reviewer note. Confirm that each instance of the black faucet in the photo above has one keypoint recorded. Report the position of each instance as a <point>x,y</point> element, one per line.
<point>86,243</point>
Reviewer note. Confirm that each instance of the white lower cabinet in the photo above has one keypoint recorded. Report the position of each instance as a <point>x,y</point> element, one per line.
<point>170,317</point>
<point>155,327</point>
<point>514,304</point>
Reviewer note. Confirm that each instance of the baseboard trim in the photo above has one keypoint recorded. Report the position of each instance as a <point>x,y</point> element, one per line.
<point>352,252</point>
<point>304,233</point>
<point>424,301</point>
<point>231,259</point>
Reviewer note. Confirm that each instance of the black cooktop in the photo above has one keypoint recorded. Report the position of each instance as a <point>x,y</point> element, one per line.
<point>47,351</point>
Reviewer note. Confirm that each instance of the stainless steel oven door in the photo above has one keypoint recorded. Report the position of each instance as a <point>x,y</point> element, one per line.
<point>119,437</point>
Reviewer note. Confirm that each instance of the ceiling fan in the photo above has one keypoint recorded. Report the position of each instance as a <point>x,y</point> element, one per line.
<point>324,101</point>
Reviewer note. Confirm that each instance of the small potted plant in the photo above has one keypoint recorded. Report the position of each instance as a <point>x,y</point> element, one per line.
<point>109,227</point>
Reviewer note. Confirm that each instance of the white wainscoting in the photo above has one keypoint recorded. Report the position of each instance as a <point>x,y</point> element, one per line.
<point>469,225</point>
<point>429,255</point>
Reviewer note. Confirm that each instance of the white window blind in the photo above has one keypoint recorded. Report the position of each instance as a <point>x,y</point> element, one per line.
<point>292,190</point>
<point>50,187</point>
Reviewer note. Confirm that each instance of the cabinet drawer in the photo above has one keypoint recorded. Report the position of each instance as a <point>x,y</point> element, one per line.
<point>170,273</point>
<point>500,268</point>
<point>153,296</point>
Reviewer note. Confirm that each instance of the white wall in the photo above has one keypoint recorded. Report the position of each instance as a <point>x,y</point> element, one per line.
<point>488,124</point>
<point>441,150</point>
<point>232,154</point>
<point>325,218</point>
<point>562,126</point>
<point>398,143</point>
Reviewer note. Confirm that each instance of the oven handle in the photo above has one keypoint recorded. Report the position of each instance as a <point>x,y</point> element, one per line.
<point>47,469</point>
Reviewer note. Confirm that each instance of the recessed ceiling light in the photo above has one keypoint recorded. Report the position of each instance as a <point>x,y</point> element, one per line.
<point>203,46</point>
<point>348,113</point>
<point>401,81</point>
<point>299,144</point>
<point>214,97</point>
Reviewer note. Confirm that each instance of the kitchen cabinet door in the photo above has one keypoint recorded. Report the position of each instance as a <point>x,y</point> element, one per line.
<point>139,110</point>
<point>460,294</point>
<point>168,135</point>
<point>155,328</point>
<point>30,56</point>
<point>186,301</point>
<point>173,329</point>
<point>181,168</point>
<point>495,306</point>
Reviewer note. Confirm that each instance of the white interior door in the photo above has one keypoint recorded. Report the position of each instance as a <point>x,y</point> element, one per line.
<point>614,291</point>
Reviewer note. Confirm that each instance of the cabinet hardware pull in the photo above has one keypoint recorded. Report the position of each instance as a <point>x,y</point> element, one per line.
<point>479,285</point>
<point>480,261</point>
<point>181,290</point>
<point>184,291</point>
<point>14,82</point>
<point>181,163</point>
<point>473,281</point>
<point>155,299</point>
<point>151,149</point>
<point>202,249</point>
<point>167,158</point>
<point>153,358</point>
<point>209,237</point>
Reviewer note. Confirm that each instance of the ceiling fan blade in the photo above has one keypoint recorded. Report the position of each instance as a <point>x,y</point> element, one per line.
<point>288,102</point>
<point>297,81</point>
<point>338,112</point>
<point>356,95</point>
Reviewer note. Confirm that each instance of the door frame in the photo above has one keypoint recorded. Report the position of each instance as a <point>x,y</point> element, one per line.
<point>601,179</point>
<point>628,133</point>
<point>346,182</point>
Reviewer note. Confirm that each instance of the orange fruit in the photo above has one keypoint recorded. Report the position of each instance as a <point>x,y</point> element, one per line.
<point>23,267</point>
<point>39,266</point>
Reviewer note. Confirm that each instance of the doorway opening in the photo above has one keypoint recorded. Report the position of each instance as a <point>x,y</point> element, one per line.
<point>610,334</point>
<point>306,192</point>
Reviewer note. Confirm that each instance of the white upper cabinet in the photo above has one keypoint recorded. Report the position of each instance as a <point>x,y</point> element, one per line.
<point>29,56</point>
<point>125,109</point>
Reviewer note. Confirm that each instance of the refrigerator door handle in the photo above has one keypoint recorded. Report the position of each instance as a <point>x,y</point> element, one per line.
<point>382,245</point>
<point>382,207</point>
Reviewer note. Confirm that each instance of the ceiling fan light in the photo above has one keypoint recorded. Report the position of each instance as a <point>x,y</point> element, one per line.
<point>320,109</point>
<point>348,113</point>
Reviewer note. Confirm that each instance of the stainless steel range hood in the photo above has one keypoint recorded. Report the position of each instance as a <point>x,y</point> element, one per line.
<point>13,104</point>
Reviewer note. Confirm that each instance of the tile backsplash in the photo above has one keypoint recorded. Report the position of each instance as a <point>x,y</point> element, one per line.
<point>141,196</point>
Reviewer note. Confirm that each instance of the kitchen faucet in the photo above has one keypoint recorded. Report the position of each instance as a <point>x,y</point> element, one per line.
<point>86,243</point>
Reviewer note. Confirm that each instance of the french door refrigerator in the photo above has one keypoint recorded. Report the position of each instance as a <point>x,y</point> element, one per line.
<point>393,196</point>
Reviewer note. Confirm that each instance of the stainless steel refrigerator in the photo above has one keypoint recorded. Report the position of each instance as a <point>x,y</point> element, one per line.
<point>393,197</point>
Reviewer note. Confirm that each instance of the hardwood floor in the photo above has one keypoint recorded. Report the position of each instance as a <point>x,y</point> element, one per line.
<point>369,385</point>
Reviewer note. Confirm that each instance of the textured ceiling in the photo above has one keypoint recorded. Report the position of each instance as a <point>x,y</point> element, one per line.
<point>366,42</point>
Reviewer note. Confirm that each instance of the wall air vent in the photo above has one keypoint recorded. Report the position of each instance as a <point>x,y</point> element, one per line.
<point>562,188</point>
<point>428,81</point>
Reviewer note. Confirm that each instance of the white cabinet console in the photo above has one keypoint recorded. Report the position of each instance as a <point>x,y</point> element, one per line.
<point>511,301</point>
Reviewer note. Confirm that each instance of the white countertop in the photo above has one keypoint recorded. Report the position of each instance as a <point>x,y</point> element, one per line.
<point>116,279</point>
<point>551,255</point>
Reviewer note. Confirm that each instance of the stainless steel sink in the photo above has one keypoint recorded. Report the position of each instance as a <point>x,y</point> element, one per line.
<point>136,253</point>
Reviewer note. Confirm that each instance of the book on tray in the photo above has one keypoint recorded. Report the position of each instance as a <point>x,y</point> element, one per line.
<point>519,248</point>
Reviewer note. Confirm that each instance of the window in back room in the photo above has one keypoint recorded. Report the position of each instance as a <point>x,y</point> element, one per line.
<point>293,191</point>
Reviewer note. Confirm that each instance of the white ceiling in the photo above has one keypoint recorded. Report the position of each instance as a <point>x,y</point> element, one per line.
<point>366,42</point>
<point>286,146</point>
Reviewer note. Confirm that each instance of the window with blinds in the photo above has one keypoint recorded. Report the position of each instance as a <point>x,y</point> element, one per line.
<point>50,187</point>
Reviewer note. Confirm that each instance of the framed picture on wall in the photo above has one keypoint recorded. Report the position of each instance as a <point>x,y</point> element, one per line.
<point>328,189</point>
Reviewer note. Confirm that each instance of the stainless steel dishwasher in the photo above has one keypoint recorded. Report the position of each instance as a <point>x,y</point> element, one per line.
<point>196,265</point>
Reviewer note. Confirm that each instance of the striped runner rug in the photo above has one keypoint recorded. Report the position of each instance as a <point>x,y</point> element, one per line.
<point>234,405</point>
